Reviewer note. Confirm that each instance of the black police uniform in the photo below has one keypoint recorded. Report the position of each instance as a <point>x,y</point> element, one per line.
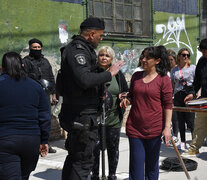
<point>38,69</point>
<point>81,98</point>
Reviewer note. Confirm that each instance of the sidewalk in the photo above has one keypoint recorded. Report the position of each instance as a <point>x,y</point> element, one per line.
<point>49,168</point>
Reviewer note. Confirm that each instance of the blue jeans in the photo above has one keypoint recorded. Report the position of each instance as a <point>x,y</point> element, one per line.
<point>144,158</point>
<point>18,156</point>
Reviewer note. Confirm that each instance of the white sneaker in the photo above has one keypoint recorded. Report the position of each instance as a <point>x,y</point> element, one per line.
<point>182,146</point>
<point>176,141</point>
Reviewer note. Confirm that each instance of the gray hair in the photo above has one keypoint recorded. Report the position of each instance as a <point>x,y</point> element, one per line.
<point>109,50</point>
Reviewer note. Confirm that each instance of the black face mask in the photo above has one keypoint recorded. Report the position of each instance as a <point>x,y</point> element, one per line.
<point>35,53</point>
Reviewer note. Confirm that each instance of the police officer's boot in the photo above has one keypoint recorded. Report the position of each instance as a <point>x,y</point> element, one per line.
<point>95,177</point>
<point>112,177</point>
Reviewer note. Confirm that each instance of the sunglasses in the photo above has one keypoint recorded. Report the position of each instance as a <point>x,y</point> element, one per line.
<point>188,55</point>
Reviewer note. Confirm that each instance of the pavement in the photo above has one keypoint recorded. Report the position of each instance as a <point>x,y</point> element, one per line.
<point>49,167</point>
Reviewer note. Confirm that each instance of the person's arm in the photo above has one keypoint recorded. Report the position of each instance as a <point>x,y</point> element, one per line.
<point>166,97</point>
<point>197,78</point>
<point>82,72</point>
<point>167,130</point>
<point>51,77</point>
<point>196,85</point>
<point>44,118</point>
<point>80,65</point>
<point>54,99</point>
<point>126,98</point>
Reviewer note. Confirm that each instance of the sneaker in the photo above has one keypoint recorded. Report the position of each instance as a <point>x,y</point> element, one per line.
<point>51,150</point>
<point>193,151</point>
<point>176,141</point>
<point>182,146</point>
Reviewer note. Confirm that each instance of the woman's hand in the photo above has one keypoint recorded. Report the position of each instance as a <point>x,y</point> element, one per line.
<point>124,103</point>
<point>123,95</point>
<point>189,97</point>
<point>167,134</point>
<point>44,149</point>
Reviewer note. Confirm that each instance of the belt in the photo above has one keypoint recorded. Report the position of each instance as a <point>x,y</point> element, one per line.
<point>81,109</point>
<point>81,100</point>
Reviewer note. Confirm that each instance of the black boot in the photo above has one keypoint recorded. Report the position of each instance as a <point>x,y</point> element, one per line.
<point>112,177</point>
<point>95,177</point>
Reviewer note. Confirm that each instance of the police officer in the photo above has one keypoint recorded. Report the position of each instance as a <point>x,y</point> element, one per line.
<point>81,80</point>
<point>39,69</point>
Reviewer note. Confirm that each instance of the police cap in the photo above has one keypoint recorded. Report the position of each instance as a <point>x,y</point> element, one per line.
<point>34,40</point>
<point>92,23</point>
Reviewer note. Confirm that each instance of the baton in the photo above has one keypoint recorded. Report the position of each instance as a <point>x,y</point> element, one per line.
<point>180,159</point>
<point>103,140</point>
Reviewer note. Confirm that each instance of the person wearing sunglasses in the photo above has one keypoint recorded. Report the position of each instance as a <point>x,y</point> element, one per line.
<point>200,131</point>
<point>182,79</point>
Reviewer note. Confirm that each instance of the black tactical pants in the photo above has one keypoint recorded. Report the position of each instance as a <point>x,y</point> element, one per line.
<point>80,144</point>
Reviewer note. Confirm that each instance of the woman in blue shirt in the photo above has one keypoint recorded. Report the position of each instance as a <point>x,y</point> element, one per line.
<point>24,120</point>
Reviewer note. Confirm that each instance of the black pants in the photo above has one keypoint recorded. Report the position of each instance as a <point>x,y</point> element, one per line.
<point>183,117</point>
<point>175,126</point>
<point>18,156</point>
<point>80,144</point>
<point>112,146</point>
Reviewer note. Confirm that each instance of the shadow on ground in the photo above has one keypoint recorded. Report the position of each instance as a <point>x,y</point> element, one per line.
<point>58,143</point>
<point>123,134</point>
<point>49,174</point>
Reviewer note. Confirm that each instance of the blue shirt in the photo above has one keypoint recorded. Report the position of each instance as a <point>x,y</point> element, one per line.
<point>24,108</point>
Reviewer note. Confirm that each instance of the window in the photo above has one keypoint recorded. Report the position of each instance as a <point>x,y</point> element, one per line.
<point>123,17</point>
<point>203,19</point>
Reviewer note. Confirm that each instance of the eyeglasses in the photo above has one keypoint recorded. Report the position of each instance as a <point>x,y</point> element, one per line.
<point>188,55</point>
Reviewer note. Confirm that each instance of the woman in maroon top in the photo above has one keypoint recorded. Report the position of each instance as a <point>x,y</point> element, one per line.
<point>150,116</point>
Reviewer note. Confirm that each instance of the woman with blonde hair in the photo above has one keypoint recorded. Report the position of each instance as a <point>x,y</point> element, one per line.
<point>182,77</point>
<point>114,115</point>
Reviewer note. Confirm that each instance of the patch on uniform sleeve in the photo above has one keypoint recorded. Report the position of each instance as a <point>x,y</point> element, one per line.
<point>80,58</point>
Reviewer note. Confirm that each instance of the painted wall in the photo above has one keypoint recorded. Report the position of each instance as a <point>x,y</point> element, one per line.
<point>53,22</point>
<point>176,25</point>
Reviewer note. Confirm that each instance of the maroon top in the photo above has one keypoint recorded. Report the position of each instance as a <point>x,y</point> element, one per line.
<point>149,100</point>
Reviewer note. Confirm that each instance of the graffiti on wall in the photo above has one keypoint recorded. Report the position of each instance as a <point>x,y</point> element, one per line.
<point>171,33</point>
<point>130,57</point>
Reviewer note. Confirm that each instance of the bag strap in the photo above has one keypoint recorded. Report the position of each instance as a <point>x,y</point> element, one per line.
<point>181,76</point>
